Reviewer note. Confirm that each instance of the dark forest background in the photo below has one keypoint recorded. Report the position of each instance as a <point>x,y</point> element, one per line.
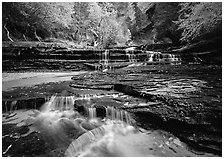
<point>104,24</point>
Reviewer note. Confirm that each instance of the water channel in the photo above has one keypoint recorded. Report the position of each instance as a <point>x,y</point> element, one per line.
<point>130,104</point>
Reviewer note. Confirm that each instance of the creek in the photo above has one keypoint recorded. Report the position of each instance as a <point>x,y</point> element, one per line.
<point>130,103</point>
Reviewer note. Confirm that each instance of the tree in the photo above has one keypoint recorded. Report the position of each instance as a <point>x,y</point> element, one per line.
<point>36,20</point>
<point>80,21</point>
<point>107,24</point>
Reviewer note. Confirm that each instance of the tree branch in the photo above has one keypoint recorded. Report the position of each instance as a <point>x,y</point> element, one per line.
<point>8,34</point>
<point>24,37</point>
<point>36,36</point>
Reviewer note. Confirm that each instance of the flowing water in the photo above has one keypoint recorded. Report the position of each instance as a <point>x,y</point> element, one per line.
<point>130,54</point>
<point>105,60</point>
<point>60,123</point>
<point>159,57</point>
<point>81,122</point>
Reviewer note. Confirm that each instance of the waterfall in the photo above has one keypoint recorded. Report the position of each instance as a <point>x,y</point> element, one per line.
<point>11,108</point>
<point>105,60</point>
<point>159,57</point>
<point>115,114</point>
<point>97,67</point>
<point>130,54</point>
<point>91,113</point>
<point>12,105</point>
<point>150,57</point>
<point>60,124</point>
<point>47,98</point>
<point>63,103</point>
<point>175,59</point>
<point>59,103</point>
<point>57,117</point>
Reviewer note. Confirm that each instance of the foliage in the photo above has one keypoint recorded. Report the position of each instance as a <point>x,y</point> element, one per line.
<point>104,24</point>
<point>43,19</point>
<point>198,19</point>
<point>101,17</point>
<point>107,24</point>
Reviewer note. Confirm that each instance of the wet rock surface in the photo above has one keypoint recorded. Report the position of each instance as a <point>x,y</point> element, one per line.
<point>184,100</point>
<point>23,65</point>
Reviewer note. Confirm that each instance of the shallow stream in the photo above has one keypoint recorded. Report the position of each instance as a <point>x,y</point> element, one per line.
<point>140,110</point>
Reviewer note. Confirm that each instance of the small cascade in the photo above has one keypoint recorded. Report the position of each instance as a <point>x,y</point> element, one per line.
<point>55,119</point>
<point>175,59</point>
<point>47,98</point>
<point>115,114</point>
<point>97,67</point>
<point>12,106</point>
<point>154,56</point>
<point>150,57</point>
<point>85,97</point>
<point>163,58</point>
<point>91,113</point>
<point>22,104</point>
<point>172,58</point>
<point>60,103</point>
<point>131,55</point>
<point>104,62</point>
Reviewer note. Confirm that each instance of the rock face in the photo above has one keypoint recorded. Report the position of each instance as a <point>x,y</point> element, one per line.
<point>182,99</point>
<point>64,131</point>
<point>126,89</point>
<point>54,56</point>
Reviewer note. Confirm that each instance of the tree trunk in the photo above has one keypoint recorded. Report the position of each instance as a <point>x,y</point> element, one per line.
<point>96,37</point>
<point>8,34</point>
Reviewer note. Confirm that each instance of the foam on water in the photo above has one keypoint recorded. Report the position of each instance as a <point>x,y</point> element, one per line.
<point>76,135</point>
<point>57,120</point>
<point>101,141</point>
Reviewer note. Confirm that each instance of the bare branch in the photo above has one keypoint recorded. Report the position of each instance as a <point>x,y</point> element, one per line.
<point>36,36</point>
<point>8,34</point>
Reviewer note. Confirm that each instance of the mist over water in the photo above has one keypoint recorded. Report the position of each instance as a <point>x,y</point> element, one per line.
<point>111,140</point>
<point>85,133</point>
<point>64,127</point>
